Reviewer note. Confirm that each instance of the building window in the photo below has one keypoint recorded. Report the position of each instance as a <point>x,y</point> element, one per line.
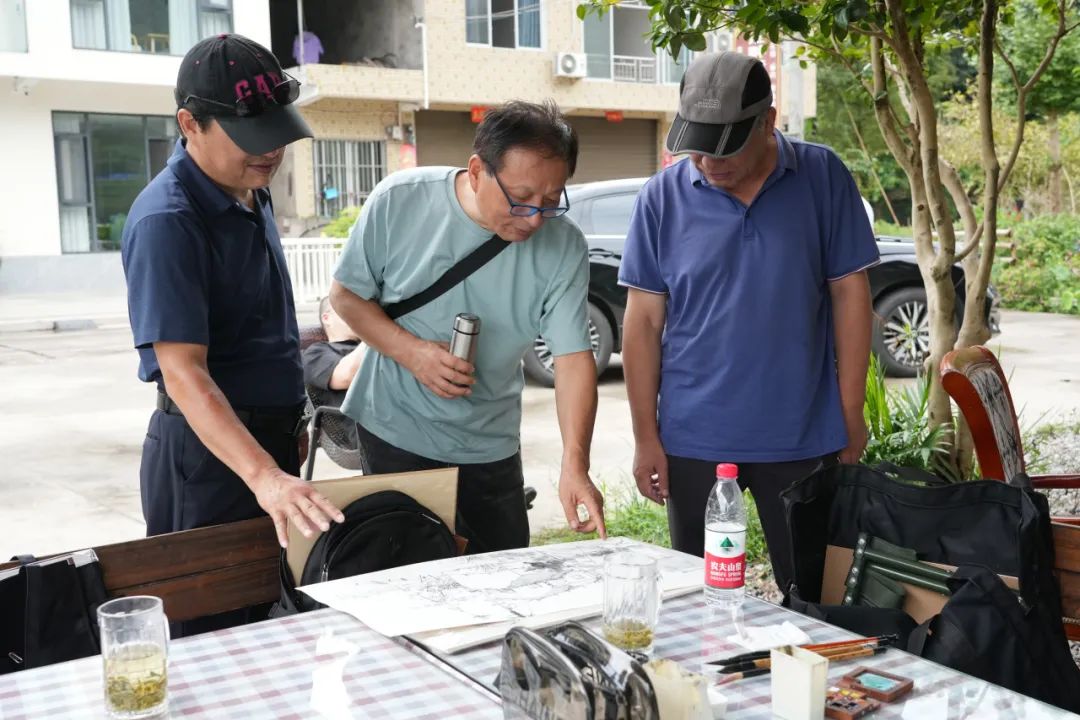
<point>159,27</point>
<point>102,163</point>
<point>503,23</point>
<point>346,171</point>
<point>13,26</point>
<point>616,49</point>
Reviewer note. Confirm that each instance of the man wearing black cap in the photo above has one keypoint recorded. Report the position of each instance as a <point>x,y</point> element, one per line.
<point>211,304</point>
<point>747,328</point>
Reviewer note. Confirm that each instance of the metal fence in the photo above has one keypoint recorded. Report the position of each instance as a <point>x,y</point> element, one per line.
<point>311,265</point>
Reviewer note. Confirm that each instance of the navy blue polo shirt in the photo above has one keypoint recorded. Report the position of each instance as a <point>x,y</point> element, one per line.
<point>202,268</point>
<point>748,356</point>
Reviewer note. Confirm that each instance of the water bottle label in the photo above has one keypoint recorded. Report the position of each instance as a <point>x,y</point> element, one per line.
<point>725,559</point>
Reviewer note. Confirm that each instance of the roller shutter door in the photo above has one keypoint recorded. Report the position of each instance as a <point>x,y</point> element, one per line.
<point>443,138</point>
<point>609,151</point>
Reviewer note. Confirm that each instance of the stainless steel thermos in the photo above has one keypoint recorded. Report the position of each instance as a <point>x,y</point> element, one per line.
<point>465,336</point>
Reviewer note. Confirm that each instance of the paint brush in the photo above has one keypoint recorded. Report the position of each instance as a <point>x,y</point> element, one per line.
<point>844,653</point>
<point>883,640</point>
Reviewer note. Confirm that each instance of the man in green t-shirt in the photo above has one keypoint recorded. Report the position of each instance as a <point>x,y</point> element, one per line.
<point>419,407</point>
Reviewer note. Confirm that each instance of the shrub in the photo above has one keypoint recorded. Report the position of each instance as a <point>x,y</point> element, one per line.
<point>342,223</point>
<point>1044,275</point>
<point>898,423</point>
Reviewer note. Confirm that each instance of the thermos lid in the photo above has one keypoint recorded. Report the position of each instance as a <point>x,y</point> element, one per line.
<point>467,323</point>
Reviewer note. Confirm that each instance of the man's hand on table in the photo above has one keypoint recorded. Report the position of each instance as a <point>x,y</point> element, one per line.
<point>575,488</point>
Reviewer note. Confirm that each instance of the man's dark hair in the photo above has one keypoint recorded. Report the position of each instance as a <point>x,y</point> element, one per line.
<point>324,307</point>
<point>519,124</point>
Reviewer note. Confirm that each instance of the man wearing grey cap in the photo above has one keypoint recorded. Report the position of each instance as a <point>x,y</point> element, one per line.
<point>747,328</point>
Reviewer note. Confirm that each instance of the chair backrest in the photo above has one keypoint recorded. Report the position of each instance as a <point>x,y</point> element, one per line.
<point>196,572</point>
<point>1067,569</point>
<point>310,334</point>
<point>338,437</point>
<point>973,378</point>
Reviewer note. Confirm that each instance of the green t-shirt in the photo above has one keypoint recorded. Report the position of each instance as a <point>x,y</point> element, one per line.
<point>411,230</point>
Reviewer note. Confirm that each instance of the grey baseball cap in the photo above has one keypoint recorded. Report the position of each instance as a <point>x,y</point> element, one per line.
<point>720,96</point>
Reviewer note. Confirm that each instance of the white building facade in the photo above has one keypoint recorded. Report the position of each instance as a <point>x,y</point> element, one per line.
<point>86,119</point>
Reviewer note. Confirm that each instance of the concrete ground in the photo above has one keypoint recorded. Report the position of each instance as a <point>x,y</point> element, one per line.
<point>73,416</point>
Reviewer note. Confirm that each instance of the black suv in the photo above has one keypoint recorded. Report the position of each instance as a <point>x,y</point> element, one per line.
<point>901,324</point>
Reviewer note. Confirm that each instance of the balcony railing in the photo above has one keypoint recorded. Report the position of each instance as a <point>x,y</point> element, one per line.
<point>627,68</point>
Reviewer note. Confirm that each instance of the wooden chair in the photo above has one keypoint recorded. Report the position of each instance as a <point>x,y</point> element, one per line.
<point>196,572</point>
<point>974,379</point>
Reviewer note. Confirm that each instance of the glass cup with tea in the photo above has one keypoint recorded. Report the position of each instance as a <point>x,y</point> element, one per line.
<point>631,601</point>
<point>135,653</point>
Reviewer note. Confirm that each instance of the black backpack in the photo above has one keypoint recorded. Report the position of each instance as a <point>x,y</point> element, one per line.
<point>984,630</point>
<point>383,530</point>
<point>984,528</point>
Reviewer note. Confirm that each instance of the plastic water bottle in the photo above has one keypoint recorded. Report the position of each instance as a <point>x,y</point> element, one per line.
<point>725,540</point>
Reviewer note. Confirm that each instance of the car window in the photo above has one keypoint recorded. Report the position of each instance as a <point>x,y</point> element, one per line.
<point>610,214</point>
<point>579,213</point>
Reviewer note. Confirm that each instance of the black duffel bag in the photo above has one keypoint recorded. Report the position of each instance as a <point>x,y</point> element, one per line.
<point>985,528</point>
<point>48,612</point>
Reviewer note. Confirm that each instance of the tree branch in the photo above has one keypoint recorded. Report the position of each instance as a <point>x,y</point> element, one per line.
<point>972,228</point>
<point>869,160</point>
<point>1023,91</point>
<point>884,112</point>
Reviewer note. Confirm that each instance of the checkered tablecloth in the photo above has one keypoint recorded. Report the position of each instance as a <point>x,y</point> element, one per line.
<point>318,665</point>
<point>689,633</point>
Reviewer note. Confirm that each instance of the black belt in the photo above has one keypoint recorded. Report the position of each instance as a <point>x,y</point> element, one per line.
<point>283,419</point>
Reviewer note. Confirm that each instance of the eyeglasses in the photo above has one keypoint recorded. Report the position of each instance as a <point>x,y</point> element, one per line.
<point>284,93</point>
<point>522,210</point>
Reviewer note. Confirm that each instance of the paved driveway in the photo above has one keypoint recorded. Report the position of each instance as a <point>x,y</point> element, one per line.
<point>73,415</point>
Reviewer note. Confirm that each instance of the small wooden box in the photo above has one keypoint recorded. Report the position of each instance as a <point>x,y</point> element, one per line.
<point>877,684</point>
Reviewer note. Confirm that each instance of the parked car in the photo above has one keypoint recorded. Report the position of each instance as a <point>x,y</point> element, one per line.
<point>901,336</point>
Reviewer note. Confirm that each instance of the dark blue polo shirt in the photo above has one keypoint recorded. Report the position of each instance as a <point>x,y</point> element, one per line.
<point>748,356</point>
<point>202,268</point>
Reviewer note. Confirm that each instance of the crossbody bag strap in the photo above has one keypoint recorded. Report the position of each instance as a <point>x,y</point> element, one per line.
<point>462,269</point>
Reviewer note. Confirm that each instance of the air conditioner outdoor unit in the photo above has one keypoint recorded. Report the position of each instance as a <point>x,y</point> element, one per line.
<point>571,65</point>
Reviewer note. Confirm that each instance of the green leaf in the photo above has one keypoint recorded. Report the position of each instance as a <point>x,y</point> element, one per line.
<point>794,21</point>
<point>582,11</point>
<point>674,16</point>
<point>840,19</point>
<point>695,41</point>
<point>675,46</point>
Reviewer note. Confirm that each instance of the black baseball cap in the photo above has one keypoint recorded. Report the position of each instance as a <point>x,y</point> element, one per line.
<point>241,84</point>
<point>720,97</point>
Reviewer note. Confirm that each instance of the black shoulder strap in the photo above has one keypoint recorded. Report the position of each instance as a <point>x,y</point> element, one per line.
<point>462,269</point>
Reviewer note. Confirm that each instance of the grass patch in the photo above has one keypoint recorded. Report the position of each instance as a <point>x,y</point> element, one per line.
<point>630,515</point>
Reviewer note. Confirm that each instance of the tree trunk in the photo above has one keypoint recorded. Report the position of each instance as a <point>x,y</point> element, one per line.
<point>1054,146</point>
<point>974,330</point>
<point>935,263</point>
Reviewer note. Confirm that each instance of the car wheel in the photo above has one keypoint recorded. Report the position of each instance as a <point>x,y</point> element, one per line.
<point>902,332</point>
<point>540,363</point>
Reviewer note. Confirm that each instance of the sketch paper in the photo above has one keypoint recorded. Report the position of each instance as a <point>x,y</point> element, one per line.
<point>507,586</point>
